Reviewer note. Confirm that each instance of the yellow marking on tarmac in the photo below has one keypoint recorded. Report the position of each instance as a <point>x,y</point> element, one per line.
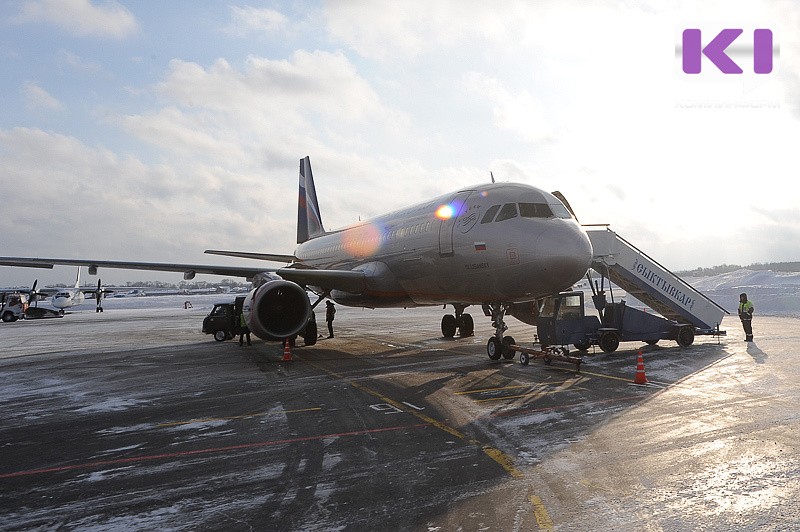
<point>497,455</point>
<point>231,418</point>
<point>540,513</point>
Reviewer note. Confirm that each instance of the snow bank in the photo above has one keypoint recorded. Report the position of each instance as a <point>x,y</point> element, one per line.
<point>772,293</point>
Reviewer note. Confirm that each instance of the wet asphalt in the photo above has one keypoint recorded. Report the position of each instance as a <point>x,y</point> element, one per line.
<point>136,420</point>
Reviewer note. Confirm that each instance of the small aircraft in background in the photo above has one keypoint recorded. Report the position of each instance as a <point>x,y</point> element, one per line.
<point>70,297</point>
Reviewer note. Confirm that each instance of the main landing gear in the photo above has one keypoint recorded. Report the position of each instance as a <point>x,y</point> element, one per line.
<point>461,322</point>
<point>499,345</point>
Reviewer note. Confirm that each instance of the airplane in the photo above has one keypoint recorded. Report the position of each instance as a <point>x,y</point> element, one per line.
<point>500,246</point>
<point>70,297</point>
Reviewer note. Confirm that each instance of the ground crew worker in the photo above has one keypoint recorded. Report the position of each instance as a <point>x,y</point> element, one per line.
<point>746,315</point>
<point>330,311</point>
<point>243,330</point>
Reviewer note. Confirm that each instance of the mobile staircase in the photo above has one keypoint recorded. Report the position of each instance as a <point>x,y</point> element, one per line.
<point>686,312</point>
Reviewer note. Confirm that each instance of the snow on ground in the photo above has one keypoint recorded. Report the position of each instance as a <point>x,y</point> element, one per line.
<point>772,293</point>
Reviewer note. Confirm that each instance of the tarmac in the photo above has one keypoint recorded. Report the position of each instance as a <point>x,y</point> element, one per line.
<point>133,419</point>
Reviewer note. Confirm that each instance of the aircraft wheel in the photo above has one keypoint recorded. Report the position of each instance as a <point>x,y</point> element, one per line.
<point>685,336</point>
<point>508,353</point>
<point>651,342</point>
<point>449,325</point>
<point>524,358</point>
<point>220,335</point>
<point>609,342</point>
<point>467,325</point>
<point>310,333</point>
<point>494,348</point>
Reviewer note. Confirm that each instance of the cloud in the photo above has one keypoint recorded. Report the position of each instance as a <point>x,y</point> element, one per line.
<point>36,98</point>
<point>248,20</point>
<point>407,29</point>
<point>521,114</point>
<point>80,18</point>
<point>79,64</point>
<point>117,206</point>
<point>277,109</point>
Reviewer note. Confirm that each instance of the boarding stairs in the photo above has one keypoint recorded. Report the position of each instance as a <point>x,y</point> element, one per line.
<point>651,283</point>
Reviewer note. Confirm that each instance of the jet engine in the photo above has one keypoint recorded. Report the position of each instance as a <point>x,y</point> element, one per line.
<point>276,309</point>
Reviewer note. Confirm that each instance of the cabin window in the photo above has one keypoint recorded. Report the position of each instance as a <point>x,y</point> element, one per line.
<point>489,216</point>
<point>508,211</point>
<point>535,210</point>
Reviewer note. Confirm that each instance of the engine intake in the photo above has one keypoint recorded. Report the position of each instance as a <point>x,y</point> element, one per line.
<point>276,310</point>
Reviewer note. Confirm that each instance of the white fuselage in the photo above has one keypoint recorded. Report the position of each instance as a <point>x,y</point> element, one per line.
<point>67,298</point>
<point>490,243</point>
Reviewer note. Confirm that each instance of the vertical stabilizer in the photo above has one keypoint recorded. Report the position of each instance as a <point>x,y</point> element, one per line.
<point>78,278</point>
<point>309,220</point>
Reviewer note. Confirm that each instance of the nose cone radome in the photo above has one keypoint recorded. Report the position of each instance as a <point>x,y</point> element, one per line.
<point>569,255</point>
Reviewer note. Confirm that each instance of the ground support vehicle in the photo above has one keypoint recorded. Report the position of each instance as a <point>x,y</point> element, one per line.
<point>547,354</point>
<point>223,320</point>
<point>563,322</point>
<point>13,306</point>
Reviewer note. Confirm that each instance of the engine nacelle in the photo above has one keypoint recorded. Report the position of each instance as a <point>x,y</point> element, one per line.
<point>276,309</point>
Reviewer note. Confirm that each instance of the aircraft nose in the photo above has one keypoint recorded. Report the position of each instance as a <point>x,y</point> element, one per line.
<point>571,256</point>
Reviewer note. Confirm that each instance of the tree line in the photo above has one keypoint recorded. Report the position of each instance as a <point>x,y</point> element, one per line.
<point>784,267</point>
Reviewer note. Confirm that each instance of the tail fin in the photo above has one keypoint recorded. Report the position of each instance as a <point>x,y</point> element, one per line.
<point>309,220</point>
<point>78,278</point>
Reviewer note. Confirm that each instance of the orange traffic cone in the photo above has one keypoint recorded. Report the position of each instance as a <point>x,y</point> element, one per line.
<point>287,351</point>
<point>640,377</point>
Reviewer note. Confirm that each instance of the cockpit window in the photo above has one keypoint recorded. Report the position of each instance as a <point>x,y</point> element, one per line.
<point>560,211</point>
<point>508,211</point>
<point>489,216</point>
<point>535,210</point>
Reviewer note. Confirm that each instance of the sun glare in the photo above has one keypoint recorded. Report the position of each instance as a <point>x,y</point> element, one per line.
<point>445,212</point>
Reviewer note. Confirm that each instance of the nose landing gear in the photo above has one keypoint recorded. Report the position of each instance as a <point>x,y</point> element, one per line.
<point>499,345</point>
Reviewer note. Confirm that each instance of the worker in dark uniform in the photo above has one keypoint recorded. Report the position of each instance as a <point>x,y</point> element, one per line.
<point>746,315</point>
<point>330,311</point>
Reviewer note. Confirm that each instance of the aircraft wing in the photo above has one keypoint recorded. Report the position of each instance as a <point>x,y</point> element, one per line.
<point>186,269</point>
<point>345,280</point>
<point>250,255</point>
<point>353,281</point>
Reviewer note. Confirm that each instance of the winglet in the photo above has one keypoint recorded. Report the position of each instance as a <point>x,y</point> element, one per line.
<point>309,220</point>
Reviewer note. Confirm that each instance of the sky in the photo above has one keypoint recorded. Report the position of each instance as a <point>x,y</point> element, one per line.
<point>155,130</point>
